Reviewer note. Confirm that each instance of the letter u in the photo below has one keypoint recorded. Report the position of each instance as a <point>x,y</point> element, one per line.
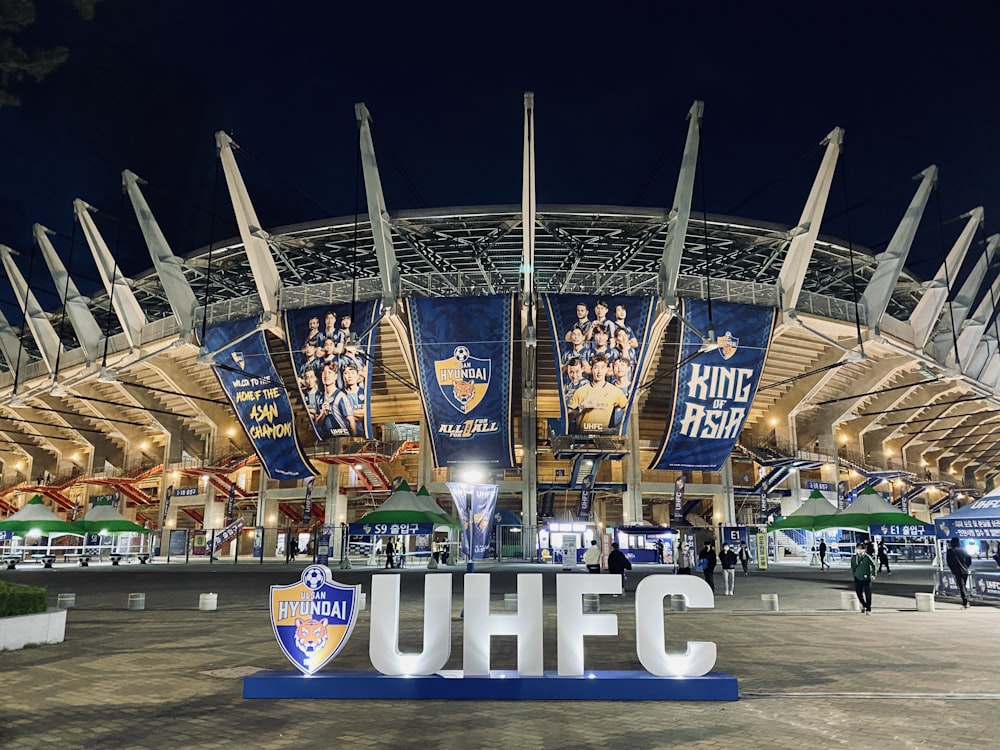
<point>383,643</point>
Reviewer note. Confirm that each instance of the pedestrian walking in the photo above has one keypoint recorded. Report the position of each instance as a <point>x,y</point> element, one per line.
<point>390,551</point>
<point>822,555</point>
<point>685,560</point>
<point>883,559</point>
<point>959,561</point>
<point>728,560</point>
<point>619,563</point>
<point>708,567</point>
<point>744,557</point>
<point>863,571</point>
<point>592,557</point>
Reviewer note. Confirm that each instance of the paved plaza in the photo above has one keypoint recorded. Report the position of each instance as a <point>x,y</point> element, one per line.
<point>810,675</point>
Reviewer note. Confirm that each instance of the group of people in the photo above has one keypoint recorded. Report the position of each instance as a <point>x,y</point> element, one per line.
<point>879,553</point>
<point>618,562</point>
<point>332,379</point>
<point>708,560</point>
<point>598,368</point>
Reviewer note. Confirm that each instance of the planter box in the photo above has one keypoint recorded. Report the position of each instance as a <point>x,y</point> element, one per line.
<point>23,630</point>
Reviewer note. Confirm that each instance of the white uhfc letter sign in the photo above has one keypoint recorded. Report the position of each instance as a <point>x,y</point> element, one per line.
<point>526,624</point>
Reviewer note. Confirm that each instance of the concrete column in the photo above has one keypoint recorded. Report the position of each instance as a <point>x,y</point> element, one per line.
<point>632,497</point>
<point>425,460</point>
<point>728,496</point>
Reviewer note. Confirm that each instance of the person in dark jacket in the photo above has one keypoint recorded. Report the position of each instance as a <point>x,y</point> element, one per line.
<point>822,555</point>
<point>883,558</point>
<point>728,560</point>
<point>744,557</point>
<point>959,561</point>
<point>711,560</point>
<point>863,571</point>
<point>618,563</point>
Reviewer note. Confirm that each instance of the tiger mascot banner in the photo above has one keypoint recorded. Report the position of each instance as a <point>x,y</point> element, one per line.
<point>464,352</point>
<point>715,384</point>
<point>601,347</point>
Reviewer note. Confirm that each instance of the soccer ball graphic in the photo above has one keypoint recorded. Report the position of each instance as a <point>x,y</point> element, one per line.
<point>314,577</point>
<point>461,353</point>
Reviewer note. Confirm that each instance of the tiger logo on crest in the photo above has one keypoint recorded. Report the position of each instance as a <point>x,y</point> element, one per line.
<point>465,391</point>
<point>463,379</point>
<point>313,617</point>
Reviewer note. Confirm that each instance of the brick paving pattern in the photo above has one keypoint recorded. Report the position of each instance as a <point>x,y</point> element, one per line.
<point>810,675</point>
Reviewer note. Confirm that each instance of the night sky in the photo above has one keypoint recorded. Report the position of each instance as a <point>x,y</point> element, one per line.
<point>148,83</point>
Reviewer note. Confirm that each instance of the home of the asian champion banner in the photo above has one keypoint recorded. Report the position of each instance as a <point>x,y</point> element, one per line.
<point>463,349</point>
<point>242,363</point>
<point>714,389</point>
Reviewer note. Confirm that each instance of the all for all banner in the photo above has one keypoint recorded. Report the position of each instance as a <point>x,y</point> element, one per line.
<point>600,346</point>
<point>484,505</point>
<point>714,388</point>
<point>246,373</point>
<point>464,350</point>
<point>334,381</point>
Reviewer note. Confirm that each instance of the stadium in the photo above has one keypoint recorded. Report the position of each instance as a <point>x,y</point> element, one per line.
<point>867,375</point>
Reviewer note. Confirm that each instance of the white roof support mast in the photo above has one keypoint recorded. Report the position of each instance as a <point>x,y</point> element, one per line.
<point>117,286</point>
<point>680,212</point>
<point>168,266</point>
<point>378,215</point>
<point>925,315</point>
<point>265,270</point>
<point>875,298</point>
<point>796,263</point>
<point>529,413</point>
<point>38,322</point>
<point>942,345</point>
<point>75,304</point>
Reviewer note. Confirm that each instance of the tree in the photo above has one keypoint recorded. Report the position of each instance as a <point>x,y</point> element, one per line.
<point>17,63</point>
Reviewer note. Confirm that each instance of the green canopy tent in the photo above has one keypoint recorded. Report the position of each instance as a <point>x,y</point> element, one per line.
<point>104,519</point>
<point>403,513</point>
<point>814,514</point>
<point>871,509</point>
<point>36,516</point>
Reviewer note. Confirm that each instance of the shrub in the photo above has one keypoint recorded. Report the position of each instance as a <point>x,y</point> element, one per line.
<point>18,599</point>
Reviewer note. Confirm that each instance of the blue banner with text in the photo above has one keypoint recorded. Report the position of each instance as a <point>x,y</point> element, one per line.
<point>716,382</point>
<point>247,374</point>
<point>463,349</point>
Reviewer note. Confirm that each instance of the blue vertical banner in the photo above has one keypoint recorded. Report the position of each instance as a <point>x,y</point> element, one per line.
<point>484,505</point>
<point>246,373</point>
<point>464,349</point>
<point>230,503</point>
<point>715,386</point>
<point>601,347</point>
<point>166,505</point>
<point>331,347</point>
<point>679,485</point>
<point>586,499</point>
<point>307,509</point>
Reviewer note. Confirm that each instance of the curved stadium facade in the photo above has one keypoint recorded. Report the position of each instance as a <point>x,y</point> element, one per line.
<point>871,376</point>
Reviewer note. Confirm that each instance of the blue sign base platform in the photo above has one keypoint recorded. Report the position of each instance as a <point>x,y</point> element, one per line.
<point>499,685</point>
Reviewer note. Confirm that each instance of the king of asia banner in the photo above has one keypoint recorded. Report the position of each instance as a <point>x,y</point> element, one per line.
<point>600,346</point>
<point>464,349</point>
<point>334,382</point>
<point>715,388</point>
<point>246,373</point>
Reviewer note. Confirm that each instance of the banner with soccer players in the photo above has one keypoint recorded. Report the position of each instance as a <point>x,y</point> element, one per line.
<point>464,350</point>
<point>246,373</point>
<point>601,348</point>
<point>715,387</point>
<point>334,378</point>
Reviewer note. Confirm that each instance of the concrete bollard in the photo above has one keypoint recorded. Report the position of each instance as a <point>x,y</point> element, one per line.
<point>208,602</point>
<point>510,602</point>
<point>136,601</point>
<point>66,601</point>
<point>925,602</point>
<point>769,602</point>
<point>678,603</point>
<point>591,602</point>
<point>849,601</point>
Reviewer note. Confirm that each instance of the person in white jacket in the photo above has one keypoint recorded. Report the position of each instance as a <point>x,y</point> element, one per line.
<point>592,557</point>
